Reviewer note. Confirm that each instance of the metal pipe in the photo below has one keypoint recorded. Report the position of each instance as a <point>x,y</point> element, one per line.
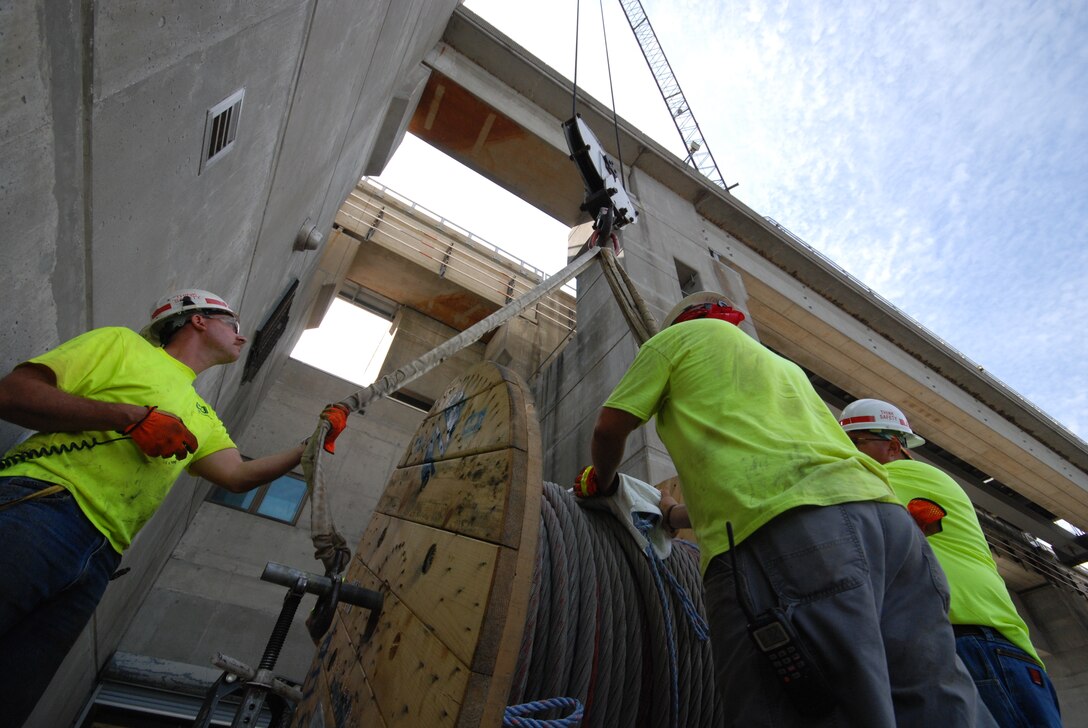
<point>322,585</point>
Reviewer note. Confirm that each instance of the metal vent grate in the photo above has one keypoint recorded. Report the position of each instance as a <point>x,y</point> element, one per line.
<point>221,129</point>
<point>269,335</point>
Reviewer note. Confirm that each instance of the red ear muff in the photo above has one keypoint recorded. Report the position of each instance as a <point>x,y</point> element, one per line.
<point>710,310</point>
<point>731,315</point>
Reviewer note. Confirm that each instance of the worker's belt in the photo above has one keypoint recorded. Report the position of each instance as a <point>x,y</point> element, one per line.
<point>48,490</point>
<point>969,630</point>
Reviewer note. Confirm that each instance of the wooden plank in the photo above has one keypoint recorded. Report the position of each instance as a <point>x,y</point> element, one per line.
<point>335,688</point>
<point>351,701</point>
<point>470,419</point>
<point>479,495</point>
<point>417,681</point>
<point>478,380</point>
<point>315,691</point>
<point>443,577</point>
<point>504,624</point>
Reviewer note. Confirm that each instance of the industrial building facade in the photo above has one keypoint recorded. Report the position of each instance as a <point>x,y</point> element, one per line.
<point>145,149</point>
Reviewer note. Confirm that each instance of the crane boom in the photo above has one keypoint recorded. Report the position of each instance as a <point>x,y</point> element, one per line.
<point>695,147</point>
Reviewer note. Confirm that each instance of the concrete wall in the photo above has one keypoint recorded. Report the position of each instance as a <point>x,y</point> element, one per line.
<point>102,116</point>
<point>527,343</point>
<point>416,335</point>
<point>1059,624</point>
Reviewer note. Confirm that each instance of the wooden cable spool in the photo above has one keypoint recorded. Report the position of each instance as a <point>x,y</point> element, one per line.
<point>455,546</point>
<point>452,546</point>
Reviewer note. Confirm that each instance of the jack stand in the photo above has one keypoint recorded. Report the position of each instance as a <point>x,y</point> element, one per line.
<point>262,685</point>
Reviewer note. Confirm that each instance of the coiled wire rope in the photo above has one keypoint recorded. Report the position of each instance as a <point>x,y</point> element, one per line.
<point>611,627</point>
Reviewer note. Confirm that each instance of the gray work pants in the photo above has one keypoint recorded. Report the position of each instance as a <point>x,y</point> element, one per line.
<point>865,592</point>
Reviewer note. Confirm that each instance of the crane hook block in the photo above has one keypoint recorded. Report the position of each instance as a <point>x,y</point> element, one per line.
<point>600,173</point>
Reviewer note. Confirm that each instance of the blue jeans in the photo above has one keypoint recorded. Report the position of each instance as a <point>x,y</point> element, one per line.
<point>865,593</point>
<point>54,567</point>
<point>1014,687</point>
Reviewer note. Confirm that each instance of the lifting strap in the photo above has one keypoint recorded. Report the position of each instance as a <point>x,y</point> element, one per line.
<point>631,304</point>
<point>329,546</point>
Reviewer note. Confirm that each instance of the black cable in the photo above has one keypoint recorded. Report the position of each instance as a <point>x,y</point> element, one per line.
<point>63,449</point>
<point>577,25</point>
<point>612,93</point>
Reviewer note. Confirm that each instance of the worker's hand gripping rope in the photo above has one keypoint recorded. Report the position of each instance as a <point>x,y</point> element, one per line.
<point>337,417</point>
<point>162,435</point>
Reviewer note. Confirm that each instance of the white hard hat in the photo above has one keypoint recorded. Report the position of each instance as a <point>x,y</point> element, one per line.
<point>873,414</point>
<point>179,302</point>
<point>695,299</point>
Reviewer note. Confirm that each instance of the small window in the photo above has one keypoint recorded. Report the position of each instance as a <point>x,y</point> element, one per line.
<point>688,278</point>
<point>280,500</point>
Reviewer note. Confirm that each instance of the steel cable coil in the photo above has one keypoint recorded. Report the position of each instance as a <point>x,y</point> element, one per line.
<point>599,630</point>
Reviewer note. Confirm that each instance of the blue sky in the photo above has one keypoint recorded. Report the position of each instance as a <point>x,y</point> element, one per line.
<point>935,150</point>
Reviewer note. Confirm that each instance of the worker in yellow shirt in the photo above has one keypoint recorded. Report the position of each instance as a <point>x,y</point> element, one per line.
<point>816,581</point>
<point>991,638</point>
<point>116,419</point>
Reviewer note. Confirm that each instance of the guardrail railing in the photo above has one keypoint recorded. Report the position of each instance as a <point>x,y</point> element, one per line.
<point>379,213</point>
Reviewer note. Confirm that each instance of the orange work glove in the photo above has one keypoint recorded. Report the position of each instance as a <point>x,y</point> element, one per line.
<point>585,485</point>
<point>927,515</point>
<point>162,435</point>
<point>337,417</point>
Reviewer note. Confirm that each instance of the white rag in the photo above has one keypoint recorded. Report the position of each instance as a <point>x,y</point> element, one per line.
<point>631,497</point>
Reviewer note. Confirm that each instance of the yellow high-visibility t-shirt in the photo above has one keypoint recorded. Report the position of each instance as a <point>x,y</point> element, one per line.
<point>748,434</point>
<point>114,483</point>
<point>978,593</point>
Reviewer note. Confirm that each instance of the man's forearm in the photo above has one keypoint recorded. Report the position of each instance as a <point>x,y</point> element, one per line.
<point>228,470</point>
<point>28,398</point>
<point>608,445</point>
<point>263,470</point>
<point>607,454</point>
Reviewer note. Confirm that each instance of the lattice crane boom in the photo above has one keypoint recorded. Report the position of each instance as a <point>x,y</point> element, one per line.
<point>695,147</point>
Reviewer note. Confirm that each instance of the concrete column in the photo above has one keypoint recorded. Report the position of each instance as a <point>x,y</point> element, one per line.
<point>1059,624</point>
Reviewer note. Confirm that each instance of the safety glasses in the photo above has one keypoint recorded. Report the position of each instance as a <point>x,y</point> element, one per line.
<point>229,321</point>
<point>875,437</point>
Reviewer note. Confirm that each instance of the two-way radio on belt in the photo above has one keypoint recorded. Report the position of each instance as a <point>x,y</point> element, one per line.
<point>773,634</point>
